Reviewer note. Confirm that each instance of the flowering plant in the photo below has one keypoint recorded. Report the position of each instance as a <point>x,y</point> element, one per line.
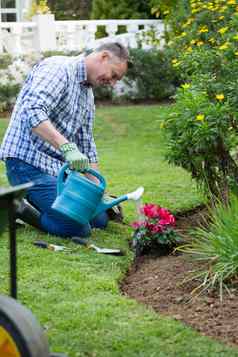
<point>156,227</point>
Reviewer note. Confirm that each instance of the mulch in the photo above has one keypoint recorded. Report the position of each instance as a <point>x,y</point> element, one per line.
<point>157,281</point>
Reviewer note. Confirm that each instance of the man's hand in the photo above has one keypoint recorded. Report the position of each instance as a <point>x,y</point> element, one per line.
<point>76,159</point>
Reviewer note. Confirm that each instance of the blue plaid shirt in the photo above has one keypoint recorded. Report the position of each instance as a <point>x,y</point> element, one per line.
<point>55,90</point>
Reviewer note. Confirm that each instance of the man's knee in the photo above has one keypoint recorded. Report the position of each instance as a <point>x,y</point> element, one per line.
<point>100,221</point>
<point>63,227</point>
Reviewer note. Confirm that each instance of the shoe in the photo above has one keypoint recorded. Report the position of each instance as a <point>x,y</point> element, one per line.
<point>26,213</point>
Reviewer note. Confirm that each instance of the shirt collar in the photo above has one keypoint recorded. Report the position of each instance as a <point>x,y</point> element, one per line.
<point>82,72</point>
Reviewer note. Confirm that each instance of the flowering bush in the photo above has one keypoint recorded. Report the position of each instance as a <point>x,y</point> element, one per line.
<point>156,228</point>
<point>13,71</point>
<point>202,128</point>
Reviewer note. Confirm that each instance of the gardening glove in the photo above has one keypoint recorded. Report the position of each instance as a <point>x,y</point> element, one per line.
<point>76,159</point>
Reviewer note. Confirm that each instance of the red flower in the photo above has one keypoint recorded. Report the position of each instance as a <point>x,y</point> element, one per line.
<point>138,224</point>
<point>156,229</point>
<point>150,210</point>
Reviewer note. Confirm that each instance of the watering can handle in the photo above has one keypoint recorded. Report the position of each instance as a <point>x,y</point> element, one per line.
<point>98,176</point>
<point>61,178</point>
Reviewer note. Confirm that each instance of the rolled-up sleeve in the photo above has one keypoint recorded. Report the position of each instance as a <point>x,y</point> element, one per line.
<point>48,84</point>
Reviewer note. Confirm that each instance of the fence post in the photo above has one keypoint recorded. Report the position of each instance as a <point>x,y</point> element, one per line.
<point>45,35</point>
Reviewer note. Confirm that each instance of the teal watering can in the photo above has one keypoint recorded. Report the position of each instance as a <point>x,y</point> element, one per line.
<point>81,199</point>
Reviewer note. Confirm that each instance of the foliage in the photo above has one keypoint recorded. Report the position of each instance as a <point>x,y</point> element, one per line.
<point>11,77</point>
<point>38,7</point>
<point>5,61</point>
<point>71,9</point>
<point>171,11</point>
<point>200,140</point>
<point>125,9</point>
<point>204,47</point>
<point>217,249</point>
<point>152,73</point>
<point>156,228</point>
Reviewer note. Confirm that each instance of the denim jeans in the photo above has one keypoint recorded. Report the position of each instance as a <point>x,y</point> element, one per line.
<point>42,196</point>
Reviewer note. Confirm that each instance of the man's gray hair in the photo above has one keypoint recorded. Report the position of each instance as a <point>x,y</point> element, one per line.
<point>117,49</point>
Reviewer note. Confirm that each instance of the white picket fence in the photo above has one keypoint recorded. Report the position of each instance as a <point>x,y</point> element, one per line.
<point>43,33</point>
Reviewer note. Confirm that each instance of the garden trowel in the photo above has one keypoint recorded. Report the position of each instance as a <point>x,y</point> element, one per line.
<point>85,242</point>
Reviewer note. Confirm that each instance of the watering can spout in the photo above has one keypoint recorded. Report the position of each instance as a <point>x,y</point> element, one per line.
<point>104,205</point>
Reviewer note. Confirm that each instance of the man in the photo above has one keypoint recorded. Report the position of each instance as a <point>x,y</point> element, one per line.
<point>52,122</point>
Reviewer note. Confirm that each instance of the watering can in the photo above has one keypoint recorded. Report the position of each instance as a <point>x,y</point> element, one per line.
<point>81,199</point>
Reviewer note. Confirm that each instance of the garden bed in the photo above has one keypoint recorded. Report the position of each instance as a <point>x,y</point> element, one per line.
<point>156,281</point>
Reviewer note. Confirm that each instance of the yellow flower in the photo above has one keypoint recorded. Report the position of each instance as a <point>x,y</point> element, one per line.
<point>223,8</point>
<point>189,49</point>
<point>186,86</point>
<point>231,2</point>
<point>220,97</point>
<point>192,42</point>
<point>236,53</point>
<point>223,30</point>
<point>200,43</point>
<point>224,46</point>
<point>200,117</point>
<point>188,22</point>
<point>176,64</point>
<point>194,11</point>
<point>212,40</point>
<point>221,17</point>
<point>235,37</point>
<point>203,29</point>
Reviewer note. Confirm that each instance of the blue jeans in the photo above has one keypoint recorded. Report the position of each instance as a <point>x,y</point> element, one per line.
<point>42,196</point>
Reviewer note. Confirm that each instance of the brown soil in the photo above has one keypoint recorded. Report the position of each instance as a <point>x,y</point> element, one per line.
<point>156,281</point>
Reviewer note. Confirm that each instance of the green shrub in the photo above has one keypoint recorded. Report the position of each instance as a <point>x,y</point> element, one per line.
<point>153,74</point>
<point>5,61</point>
<point>13,71</point>
<point>216,248</point>
<point>201,139</point>
<point>203,48</point>
<point>70,9</point>
<point>125,9</point>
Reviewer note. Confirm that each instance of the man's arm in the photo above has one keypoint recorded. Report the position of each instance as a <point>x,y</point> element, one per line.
<point>70,151</point>
<point>47,132</point>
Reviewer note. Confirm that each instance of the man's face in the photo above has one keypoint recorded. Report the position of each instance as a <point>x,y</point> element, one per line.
<point>106,70</point>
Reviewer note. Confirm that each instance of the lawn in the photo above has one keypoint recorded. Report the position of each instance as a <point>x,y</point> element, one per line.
<point>76,296</point>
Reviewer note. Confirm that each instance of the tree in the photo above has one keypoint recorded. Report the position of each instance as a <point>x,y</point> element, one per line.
<point>71,9</point>
<point>125,9</point>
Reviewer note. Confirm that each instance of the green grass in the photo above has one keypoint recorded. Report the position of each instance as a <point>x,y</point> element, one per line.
<point>76,296</point>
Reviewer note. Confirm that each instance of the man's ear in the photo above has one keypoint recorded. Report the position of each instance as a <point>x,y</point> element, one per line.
<point>105,55</point>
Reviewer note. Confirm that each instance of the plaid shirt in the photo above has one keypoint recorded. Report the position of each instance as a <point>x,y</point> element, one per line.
<point>55,90</point>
